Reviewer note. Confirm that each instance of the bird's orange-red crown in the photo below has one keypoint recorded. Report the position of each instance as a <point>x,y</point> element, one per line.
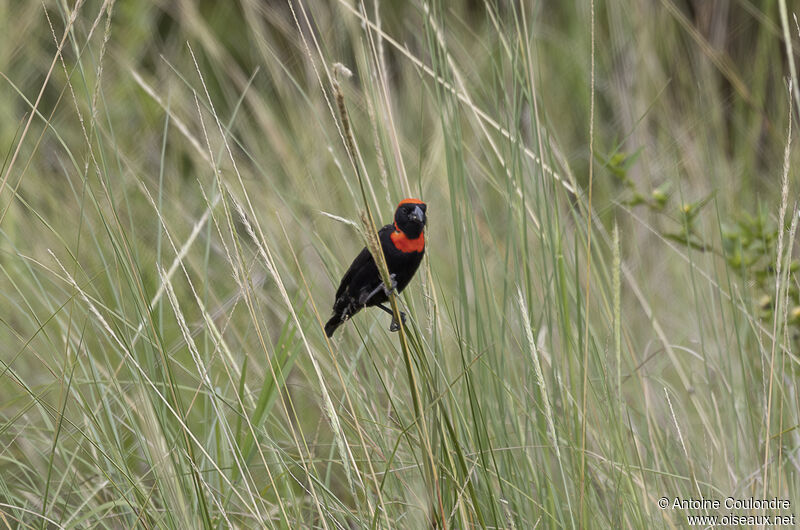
<point>410,201</point>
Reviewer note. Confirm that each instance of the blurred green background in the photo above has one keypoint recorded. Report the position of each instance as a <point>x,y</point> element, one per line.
<point>177,204</point>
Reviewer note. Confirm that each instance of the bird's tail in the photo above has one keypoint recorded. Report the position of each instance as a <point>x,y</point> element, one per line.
<point>333,323</point>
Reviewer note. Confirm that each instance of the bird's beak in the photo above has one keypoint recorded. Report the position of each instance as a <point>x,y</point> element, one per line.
<point>417,215</point>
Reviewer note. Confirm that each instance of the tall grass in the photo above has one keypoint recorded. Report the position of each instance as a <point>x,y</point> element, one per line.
<point>184,185</point>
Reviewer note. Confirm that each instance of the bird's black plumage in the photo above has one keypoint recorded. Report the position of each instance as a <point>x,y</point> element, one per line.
<point>403,245</point>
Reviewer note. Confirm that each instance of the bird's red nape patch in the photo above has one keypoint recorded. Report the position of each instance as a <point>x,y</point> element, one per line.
<point>410,201</point>
<point>404,244</point>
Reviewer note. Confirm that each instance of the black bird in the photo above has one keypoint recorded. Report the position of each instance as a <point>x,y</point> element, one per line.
<point>403,245</point>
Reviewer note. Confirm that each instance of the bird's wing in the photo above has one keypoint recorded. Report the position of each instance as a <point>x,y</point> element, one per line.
<point>363,260</point>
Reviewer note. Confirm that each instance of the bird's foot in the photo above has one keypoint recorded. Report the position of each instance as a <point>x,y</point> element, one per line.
<point>382,287</point>
<point>393,287</point>
<point>395,326</point>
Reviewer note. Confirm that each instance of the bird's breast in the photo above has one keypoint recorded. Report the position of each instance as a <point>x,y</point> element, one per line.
<point>402,242</point>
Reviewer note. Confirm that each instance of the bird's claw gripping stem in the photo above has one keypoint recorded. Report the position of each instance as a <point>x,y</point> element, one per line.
<point>395,326</point>
<point>383,287</point>
<point>392,288</point>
